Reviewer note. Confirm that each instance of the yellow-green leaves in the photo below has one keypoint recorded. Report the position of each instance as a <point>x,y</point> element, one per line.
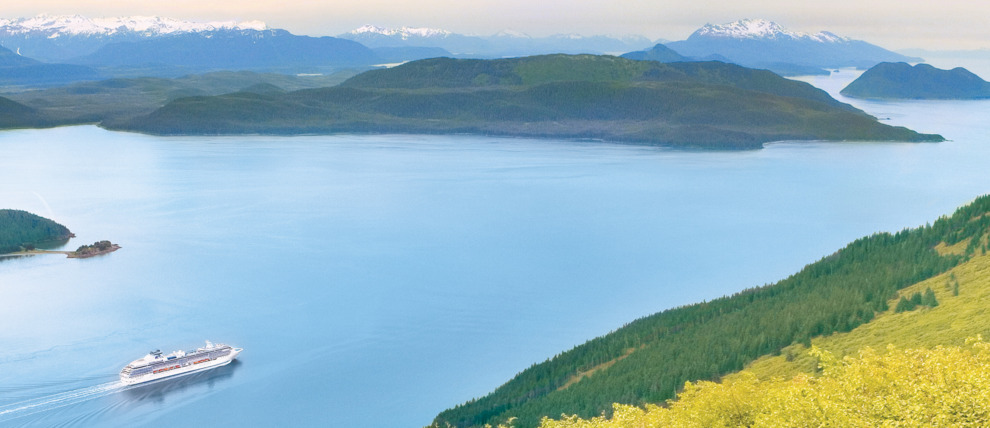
<point>944,386</point>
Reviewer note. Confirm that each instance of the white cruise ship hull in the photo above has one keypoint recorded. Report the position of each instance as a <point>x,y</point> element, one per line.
<point>155,366</point>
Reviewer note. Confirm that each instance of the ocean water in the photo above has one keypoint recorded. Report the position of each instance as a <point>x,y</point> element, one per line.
<point>375,281</point>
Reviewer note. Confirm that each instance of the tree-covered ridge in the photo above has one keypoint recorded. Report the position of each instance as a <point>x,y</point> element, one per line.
<point>960,313</point>
<point>708,340</point>
<point>707,105</point>
<point>17,115</point>
<point>21,228</point>
<point>537,70</point>
<point>945,386</point>
<point>114,99</point>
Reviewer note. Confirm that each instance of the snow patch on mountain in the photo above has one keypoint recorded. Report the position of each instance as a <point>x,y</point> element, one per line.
<point>405,33</point>
<point>762,29</point>
<point>512,34</point>
<point>75,25</point>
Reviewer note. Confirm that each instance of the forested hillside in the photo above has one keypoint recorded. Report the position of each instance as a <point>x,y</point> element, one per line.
<point>17,115</point>
<point>21,228</point>
<point>648,360</point>
<point>921,386</point>
<point>706,105</point>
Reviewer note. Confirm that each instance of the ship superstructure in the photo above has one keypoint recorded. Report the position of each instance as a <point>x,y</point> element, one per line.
<point>155,365</point>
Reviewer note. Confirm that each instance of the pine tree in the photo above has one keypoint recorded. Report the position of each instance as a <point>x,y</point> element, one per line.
<point>904,305</point>
<point>929,298</point>
<point>916,299</point>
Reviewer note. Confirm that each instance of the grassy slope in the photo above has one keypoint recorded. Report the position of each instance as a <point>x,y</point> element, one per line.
<point>958,317</point>
<point>565,96</point>
<point>708,340</point>
<point>950,323</point>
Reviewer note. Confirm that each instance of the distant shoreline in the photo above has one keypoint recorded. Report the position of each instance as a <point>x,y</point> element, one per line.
<point>68,254</point>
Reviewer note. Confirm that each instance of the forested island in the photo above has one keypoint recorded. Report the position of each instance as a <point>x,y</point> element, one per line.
<point>842,303</point>
<point>24,233</point>
<point>98,248</point>
<point>900,80</point>
<point>21,230</point>
<point>687,104</point>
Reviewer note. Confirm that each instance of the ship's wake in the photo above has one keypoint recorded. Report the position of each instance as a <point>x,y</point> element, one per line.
<point>62,399</point>
<point>129,397</point>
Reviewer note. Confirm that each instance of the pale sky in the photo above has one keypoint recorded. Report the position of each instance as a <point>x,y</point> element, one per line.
<point>893,24</point>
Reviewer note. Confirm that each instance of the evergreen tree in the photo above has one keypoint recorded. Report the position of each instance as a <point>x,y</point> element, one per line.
<point>916,300</point>
<point>904,305</point>
<point>929,298</point>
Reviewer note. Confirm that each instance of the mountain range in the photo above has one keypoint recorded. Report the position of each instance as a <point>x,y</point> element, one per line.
<point>760,43</point>
<point>161,47</point>
<point>17,70</point>
<point>61,38</point>
<point>233,49</point>
<point>155,46</point>
<point>503,44</point>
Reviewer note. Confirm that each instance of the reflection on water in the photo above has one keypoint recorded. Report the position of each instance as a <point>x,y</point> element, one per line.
<point>158,390</point>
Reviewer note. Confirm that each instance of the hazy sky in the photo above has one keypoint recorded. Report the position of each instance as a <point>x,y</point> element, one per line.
<point>894,24</point>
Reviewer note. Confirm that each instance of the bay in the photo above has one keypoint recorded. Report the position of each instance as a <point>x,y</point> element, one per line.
<point>375,280</point>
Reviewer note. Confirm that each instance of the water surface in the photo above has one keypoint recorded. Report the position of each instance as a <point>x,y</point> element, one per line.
<point>377,280</point>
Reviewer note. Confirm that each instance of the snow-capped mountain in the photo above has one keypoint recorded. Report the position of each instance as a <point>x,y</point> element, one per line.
<point>58,38</point>
<point>404,33</point>
<point>503,44</point>
<point>762,29</point>
<point>382,37</point>
<point>75,25</point>
<point>267,50</point>
<point>760,43</point>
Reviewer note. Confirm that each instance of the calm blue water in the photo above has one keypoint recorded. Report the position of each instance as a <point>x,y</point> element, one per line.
<point>377,280</point>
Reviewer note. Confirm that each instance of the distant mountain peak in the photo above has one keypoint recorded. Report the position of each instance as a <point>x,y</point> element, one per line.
<point>54,26</point>
<point>762,29</point>
<point>404,33</point>
<point>512,33</point>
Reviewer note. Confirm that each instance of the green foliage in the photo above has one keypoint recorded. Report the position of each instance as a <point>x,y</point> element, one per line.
<point>944,386</point>
<point>950,281</point>
<point>905,305</point>
<point>710,339</point>
<point>917,300</point>
<point>708,105</point>
<point>97,247</point>
<point>20,229</point>
<point>116,99</point>
<point>928,299</point>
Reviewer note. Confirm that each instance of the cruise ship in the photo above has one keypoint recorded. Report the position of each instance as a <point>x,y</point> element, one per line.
<point>156,366</point>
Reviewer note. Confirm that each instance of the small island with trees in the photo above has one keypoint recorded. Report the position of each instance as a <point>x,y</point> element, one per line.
<point>23,233</point>
<point>98,248</point>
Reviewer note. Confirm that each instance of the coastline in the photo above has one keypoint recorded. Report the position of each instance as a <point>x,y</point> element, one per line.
<point>68,254</point>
